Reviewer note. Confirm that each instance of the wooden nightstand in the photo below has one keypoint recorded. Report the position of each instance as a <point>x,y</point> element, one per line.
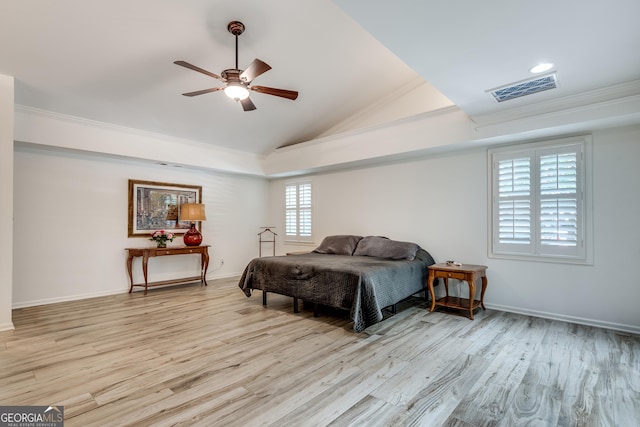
<point>466,272</point>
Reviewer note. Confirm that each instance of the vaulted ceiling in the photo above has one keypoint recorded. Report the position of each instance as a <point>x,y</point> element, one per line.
<point>350,60</point>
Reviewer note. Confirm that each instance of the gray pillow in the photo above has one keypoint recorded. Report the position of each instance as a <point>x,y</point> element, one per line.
<point>338,245</point>
<point>382,247</point>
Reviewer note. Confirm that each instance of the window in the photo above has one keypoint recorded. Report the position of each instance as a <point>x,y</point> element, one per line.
<point>298,212</point>
<point>538,201</point>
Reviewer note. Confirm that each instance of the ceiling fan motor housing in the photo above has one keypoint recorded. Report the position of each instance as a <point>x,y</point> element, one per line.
<point>235,27</point>
<point>232,75</point>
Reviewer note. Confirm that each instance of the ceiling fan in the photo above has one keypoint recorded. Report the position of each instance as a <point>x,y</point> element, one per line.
<point>237,81</point>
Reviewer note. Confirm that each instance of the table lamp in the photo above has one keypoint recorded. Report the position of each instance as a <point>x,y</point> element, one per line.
<point>192,212</point>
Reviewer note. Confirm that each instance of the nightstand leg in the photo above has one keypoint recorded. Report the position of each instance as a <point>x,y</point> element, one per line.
<point>472,294</point>
<point>484,288</point>
<point>430,285</point>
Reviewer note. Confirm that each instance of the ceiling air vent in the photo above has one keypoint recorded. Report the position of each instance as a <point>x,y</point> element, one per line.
<point>524,88</point>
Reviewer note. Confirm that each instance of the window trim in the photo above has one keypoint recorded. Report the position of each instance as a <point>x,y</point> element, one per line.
<point>297,238</point>
<point>585,254</point>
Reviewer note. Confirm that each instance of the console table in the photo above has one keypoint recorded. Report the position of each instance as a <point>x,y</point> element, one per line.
<point>147,253</point>
<point>465,272</point>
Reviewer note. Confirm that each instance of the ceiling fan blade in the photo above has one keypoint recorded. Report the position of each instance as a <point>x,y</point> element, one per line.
<point>247,104</point>
<point>254,69</point>
<point>289,94</point>
<point>198,69</point>
<point>203,91</point>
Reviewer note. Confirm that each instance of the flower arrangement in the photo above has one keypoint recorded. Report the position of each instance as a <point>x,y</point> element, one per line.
<point>161,237</point>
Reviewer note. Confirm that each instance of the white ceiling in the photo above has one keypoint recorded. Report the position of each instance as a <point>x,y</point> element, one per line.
<point>465,48</point>
<point>112,61</point>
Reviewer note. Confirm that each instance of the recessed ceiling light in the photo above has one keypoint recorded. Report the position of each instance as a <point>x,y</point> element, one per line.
<point>541,68</point>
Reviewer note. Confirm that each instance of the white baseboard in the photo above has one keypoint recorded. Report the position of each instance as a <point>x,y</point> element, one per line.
<point>6,326</point>
<point>571,319</point>
<point>224,276</point>
<point>66,298</point>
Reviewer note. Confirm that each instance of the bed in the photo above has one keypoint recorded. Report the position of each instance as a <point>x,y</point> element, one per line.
<point>363,275</point>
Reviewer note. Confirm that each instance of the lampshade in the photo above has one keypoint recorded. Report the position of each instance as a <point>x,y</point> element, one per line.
<point>192,212</point>
<point>236,91</point>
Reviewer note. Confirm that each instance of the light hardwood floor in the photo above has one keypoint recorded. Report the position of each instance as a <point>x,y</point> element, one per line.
<point>190,355</point>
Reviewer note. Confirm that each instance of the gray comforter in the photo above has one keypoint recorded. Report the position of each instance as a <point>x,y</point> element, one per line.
<point>364,285</point>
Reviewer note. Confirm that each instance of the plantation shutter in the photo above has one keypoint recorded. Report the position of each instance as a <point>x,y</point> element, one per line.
<point>512,212</point>
<point>304,208</point>
<point>298,211</point>
<point>559,201</point>
<point>291,209</point>
<point>538,201</point>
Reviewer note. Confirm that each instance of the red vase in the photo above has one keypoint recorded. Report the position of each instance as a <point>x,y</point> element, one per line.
<point>192,237</point>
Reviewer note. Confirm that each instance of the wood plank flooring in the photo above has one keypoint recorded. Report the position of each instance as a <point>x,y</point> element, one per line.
<point>189,355</point>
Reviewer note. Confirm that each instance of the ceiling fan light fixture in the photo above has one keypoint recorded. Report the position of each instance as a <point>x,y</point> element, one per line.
<point>236,91</point>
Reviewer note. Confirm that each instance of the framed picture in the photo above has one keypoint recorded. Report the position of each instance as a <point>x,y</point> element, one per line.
<point>156,205</point>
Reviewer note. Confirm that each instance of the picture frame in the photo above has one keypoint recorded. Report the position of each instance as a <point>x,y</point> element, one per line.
<point>156,206</point>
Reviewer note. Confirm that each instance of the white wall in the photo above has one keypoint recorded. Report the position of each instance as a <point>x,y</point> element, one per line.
<point>71,224</point>
<point>440,202</point>
<point>6,196</point>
